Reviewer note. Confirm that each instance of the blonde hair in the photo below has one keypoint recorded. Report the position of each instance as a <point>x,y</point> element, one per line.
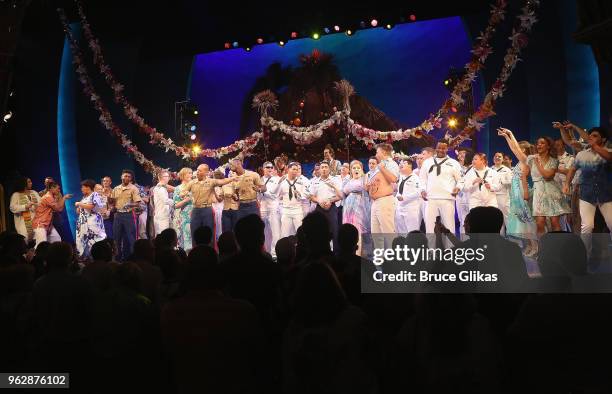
<point>183,172</point>
<point>526,147</point>
<point>360,164</point>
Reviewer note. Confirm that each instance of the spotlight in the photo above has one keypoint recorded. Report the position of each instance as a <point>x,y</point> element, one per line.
<point>326,30</point>
<point>196,149</point>
<point>193,127</point>
<point>260,40</point>
<point>7,116</point>
<point>446,82</point>
<point>388,27</point>
<point>374,22</point>
<point>227,45</point>
<point>192,137</point>
<point>452,122</point>
<point>235,44</point>
<point>316,36</point>
<point>337,28</point>
<point>281,43</point>
<point>413,17</point>
<point>195,112</point>
<point>248,49</point>
<point>349,32</point>
<point>294,34</point>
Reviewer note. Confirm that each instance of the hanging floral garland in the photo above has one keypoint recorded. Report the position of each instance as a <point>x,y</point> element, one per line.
<point>105,116</point>
<point>131,112</point>
<point>519,38</point>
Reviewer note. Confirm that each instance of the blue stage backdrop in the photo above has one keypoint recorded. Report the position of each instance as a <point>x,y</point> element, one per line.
<point>400,71</point>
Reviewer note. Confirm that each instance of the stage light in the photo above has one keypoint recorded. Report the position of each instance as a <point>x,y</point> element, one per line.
<point>193,136</point>
<point>248,49</point>
<point>195,112</point>
<point>196,149</point>
<point>388,27</point>
<point>7,116</point>
<point>294,34</point>
<point>374,22</point>
<point>235,44</point>
<point>326,30</point>
<point>192,127</point>
<point>446,82</point>
<point>349,32</point>
<point>227,45</point>
<point>260,40</point>
<point>316,36</point>
<point>452,122</point>
<point>281,43</point>
<point>337,28</point>
<point>413,17</point>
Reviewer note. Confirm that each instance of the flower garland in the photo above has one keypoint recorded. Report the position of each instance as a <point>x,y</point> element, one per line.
<point>105,116</point>
<point>520,39</point>
<point>303,135</point>
<point>131,112</point>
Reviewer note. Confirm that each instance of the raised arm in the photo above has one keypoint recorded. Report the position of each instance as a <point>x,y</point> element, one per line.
<point>512,144</point>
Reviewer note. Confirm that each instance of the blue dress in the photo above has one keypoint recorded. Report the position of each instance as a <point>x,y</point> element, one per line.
<point>354,211</point>
<point>181,221</point>
<point>548,199</point>
<point>520,221</point>
<point>90,225</point>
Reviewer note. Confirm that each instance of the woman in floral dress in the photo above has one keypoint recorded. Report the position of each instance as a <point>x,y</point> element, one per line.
<point>354,211</point>
<point>181,221</point>
<point>90,225</point>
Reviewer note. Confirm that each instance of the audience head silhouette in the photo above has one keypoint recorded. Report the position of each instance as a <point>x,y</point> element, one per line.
<point>250,233</point>
<point>484,220</point>
<point>202,236</point>
<point>59,256</point>
<point>102,251</point>
<point>348,238</point>
<point>316,232</point>
<point>203,270</point>
<point>562,254</point>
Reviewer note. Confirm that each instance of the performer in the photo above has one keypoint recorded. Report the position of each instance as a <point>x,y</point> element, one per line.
<point>229,216</point>
<point>280,165</point>
<point>354,211</point>
<point>43,216</point>
<point>107,212</point>
<point>58,216</point>
<point>201,191</point>
<point>329,156</point>
<point>125,199</point>
<point>162,203</point>
<point>142,211</point>
<point>291,193</point>
<point>381,189</point>
<point>548,201</point>
<point>246,187</point>
<point>566,161</point>
<point>505,181</point>
<point>595,185</point>
<point>408,200</point>
<point>307,206</point>
<point>90,225</point>
<point>181,220</point>
<point>521,223</point>
<point>269,208</point>
<point>345,176</point>
<point>481,183</point>
<point>23,205</point>
<point>372,164</point>
<point>441,181</point>
<point>217,204</point>
<point>464,158</point>
<point>325,192</point>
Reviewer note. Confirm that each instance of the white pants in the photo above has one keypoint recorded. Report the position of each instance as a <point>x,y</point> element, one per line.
<point>382,221</point>
<point>290,221</point>
<point>503,203</point>
<point>408,219</point>
<point>43,235</point>
<point>142,225</point>
<point>271,219</point>
<point>443,208</point>
<point>160,224</point>
<point>587,216</point>
<point>462,210</point>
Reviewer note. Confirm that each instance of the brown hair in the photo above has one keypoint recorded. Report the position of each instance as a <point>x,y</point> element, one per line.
<point>387,148</point>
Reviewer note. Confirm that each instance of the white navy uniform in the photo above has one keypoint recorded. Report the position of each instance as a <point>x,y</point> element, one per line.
<point>503,195</point>
<point>462,203</point>
<point>439,176</point>
<point>292,195</point>
<point>306,203</point>
<point>478,194</point>
<point>162,213</point>
<point>407,216</point>
<point>269,209</point>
